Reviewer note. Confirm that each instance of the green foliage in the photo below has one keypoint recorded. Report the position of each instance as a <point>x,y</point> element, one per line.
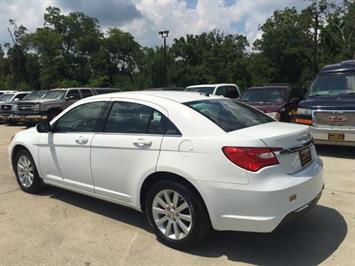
<point>72,50</point>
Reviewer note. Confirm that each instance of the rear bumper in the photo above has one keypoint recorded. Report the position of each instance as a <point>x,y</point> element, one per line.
<point>261,208</point>
<point>320,135</point>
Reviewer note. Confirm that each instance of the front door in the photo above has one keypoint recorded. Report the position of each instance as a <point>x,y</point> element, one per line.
<point>64,154</point>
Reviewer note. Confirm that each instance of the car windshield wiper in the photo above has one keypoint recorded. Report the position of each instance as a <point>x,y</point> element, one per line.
<point>347,93</point>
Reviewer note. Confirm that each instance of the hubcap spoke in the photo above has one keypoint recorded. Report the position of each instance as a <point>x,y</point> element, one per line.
<point>162,220</point>
<point>185,217</point>
<point>182,207</point>
<point>159,210</point>
<point>175,199</point>
<point>176,231</point>
<point>182,226</point>
<point>168,228</point>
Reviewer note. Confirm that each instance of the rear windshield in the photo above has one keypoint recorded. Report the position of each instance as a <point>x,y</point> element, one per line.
<point>229,114</point>
<point>208,89</point>
<point>276,95</point>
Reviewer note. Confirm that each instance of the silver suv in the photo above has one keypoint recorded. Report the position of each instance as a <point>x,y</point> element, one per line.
<point>53,103</point>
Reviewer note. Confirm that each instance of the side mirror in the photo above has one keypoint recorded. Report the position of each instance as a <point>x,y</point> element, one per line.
<point>68,98</point>
<point>294,100</point>
<point>43,127</point>
<point>16,99</point>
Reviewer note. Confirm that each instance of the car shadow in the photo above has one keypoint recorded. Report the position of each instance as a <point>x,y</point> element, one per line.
<point>336,151</point>
<point>308,240</point>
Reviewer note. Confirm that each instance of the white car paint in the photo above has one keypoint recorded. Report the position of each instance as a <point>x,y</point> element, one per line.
<point>214,87</point>
<point>111,166</point>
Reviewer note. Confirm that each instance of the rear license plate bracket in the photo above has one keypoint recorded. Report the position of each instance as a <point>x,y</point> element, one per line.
<point>305,156</point>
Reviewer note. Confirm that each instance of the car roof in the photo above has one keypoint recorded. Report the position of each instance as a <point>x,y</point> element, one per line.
<point>211,85</point>
<point>345,66</point>
<point>176,96</point>
<point>269,87</point>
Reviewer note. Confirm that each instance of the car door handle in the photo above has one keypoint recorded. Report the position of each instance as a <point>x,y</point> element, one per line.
<point>82,140</point>
<point>142,143</point>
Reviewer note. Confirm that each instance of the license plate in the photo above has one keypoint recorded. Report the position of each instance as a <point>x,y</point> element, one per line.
<point>305,156</point>
<point>336,136</point>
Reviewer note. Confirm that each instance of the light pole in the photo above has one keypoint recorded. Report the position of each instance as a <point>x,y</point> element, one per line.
<point>164,34</point>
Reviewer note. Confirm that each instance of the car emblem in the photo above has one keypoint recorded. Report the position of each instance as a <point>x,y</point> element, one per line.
<point>337,118</point>
<point>305,137</point>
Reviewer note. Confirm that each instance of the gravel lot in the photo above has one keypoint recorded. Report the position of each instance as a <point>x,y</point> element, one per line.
<point>60,227</point>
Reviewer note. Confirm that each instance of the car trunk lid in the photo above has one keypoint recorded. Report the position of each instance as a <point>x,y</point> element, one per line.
<point>297,149</point>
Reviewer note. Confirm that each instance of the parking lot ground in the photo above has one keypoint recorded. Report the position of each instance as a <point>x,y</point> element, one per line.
<point>60,227</point>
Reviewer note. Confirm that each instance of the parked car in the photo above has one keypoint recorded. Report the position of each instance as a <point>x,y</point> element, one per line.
<point>146,150</point>
<point>277,100</point>
<point>54,102</point>
<point>224,89</point>
<point>3,92</point>
<point>10,97</point>
<point>9,109</point>
<point>166,89</point>
<point>329,107</point>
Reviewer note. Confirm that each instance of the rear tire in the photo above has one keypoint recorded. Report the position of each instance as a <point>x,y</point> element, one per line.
<point>180,221</point>
<point>26,172</point>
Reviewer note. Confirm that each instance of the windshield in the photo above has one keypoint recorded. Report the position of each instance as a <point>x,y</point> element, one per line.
<point>6,97</point>
<point>55,95</point>
<point>208,89</point>
<point>273,95</point>
<point>229,114</point>
<point>333,85</point>
<point>35,95</point>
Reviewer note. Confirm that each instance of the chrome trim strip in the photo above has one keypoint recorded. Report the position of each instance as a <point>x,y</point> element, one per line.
<point>297,148</point>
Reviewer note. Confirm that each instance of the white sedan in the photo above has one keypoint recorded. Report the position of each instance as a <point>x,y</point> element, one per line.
<point>191,162</point>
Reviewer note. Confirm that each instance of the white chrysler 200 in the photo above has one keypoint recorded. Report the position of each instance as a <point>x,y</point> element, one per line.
<point>189,161</point>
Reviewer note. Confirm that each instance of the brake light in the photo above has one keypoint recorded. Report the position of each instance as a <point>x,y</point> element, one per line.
<point>252,159</point>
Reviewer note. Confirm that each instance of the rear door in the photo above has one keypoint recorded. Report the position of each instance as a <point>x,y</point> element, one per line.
<point>127,148</point>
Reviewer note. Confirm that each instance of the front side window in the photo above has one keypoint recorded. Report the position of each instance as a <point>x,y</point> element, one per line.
<point>82,118</point>
<point>134,118</point>
<point>229,114</point>
<point>73,95</point>
<point>20,96</point>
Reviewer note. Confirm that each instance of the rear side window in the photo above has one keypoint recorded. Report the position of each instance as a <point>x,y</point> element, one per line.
<point>86,93</point>
<point>127,117</point>
<point>229,114</point>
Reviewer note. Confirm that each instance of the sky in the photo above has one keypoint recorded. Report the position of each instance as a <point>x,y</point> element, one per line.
<point>144,18</point>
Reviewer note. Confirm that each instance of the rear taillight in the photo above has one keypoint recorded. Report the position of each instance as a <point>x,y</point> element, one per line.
<point>252,159</point>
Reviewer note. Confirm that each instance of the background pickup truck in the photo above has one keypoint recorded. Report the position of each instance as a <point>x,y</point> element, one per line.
<point>54,102</point>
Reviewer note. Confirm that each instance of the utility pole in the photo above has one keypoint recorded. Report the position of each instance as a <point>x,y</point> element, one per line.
<point>164,34</point>
<point>315,41</point>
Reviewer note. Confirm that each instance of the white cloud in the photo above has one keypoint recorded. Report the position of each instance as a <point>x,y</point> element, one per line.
<point>241,16</point>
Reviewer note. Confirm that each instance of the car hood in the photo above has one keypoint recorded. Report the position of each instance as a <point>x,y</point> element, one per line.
<point>329,102</point>
<point>267,107</point>
<point>40,101</point>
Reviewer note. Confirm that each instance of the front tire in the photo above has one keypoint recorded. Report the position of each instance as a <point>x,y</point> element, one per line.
<point>26,173</point>
<point>176,214</point>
